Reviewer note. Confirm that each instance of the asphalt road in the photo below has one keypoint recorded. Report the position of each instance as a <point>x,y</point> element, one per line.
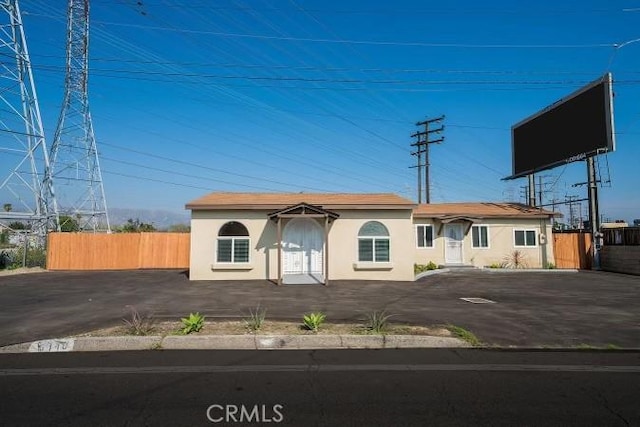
<point>531,309</point>
<point>324,388</point>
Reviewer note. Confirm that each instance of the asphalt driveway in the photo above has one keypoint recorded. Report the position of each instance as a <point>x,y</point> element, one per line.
<point>531,309</point>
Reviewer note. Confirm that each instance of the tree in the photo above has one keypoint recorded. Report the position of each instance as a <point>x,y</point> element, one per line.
<point>136,226</point>
<point>68,224</point>
<point>179,228</point>
<point>17,225</point>
<point>8,207</point>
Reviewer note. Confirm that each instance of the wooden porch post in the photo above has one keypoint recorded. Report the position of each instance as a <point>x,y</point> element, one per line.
<point>279,233</point>
<point>326,250</point>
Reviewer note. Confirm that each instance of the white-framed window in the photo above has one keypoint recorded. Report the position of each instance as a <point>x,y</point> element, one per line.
<point>524,238</point>
<point>233,243</point>
<point>480,236</point>
<point>424,236</point>
<point>373,242</point>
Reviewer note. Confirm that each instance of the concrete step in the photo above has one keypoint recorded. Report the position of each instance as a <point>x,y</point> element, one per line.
<point>457,266</point>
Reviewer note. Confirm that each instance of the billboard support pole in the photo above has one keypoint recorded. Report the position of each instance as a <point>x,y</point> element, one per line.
<point>594,216</point>
<point>532,190</point>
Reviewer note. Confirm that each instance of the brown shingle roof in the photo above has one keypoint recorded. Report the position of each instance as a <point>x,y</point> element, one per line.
<point>281,200</point>
<point>482,210</point>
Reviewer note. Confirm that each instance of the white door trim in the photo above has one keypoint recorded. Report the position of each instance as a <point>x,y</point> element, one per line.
<point>453,244</point>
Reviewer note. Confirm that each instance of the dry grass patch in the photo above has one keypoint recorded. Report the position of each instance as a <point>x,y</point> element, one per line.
<point>271,327</point>
<point>22,270</point>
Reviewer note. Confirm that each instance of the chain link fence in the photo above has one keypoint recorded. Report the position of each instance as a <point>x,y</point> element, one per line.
<point>21,248</point>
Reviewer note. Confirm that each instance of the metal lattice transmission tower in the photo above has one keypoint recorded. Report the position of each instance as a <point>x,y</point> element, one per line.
<point>75,166</point>
<point>25,184</point>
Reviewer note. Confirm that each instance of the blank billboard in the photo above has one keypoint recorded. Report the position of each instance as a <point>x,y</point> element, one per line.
<point>574,128</point>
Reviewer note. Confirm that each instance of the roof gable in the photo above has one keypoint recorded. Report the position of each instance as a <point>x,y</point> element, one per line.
<point>304,209</point>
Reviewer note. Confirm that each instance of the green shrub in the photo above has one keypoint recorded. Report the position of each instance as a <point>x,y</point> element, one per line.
<point>139,325</point>
<point>496,265</point>
<point>193,323</point>
<point>465,335</point>
<point>5,259</point>
<point>551,266</point>
<point>377,321</point>
<point>421,268</point>
<point>312,321</point>
<point>36,257</point>
<point>256,319</point>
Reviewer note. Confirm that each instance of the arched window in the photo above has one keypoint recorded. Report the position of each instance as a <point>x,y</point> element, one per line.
<point>233,243</point>
<point>373,242</point>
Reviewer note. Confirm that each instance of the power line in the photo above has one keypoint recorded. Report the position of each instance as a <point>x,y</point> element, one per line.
<point>243,65</point>
<point>119,43</point>
<point>209,168</point>
<point>354,42</point>
<point>116,72</point>
<point>363,42</point>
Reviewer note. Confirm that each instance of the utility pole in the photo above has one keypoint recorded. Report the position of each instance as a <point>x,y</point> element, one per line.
<point>524,194</point>
<point>553,209</point>
<point>422,149</point>
<point>542,188</point>
<point>571,201</point>
<point>540,191</point>
<point>418,153</point>
<point>594,215</point>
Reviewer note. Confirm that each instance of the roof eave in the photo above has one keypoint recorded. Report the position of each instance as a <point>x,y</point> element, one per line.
<point>218,207</point>
<point>492,216</point>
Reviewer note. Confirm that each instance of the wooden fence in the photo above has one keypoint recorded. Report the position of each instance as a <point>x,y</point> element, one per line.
<point>121,251</point>
<point>624,236</point>
<point>572,250</point>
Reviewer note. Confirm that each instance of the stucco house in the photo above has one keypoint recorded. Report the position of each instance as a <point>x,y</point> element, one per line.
<point>235,236</point>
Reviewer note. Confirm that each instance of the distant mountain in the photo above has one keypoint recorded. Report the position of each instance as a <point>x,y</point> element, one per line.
<point>157,217</point>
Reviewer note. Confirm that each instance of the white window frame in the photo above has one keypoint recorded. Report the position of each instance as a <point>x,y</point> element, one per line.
<point>488,237</point>
<point>525,230</point>
<point>233,247</point>
<point>433,237</point>
<point>373,243</point>
<point>373,252</point>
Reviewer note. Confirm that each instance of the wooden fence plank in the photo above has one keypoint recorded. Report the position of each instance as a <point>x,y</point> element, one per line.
<point>121,251</point>
<point>572,250</point>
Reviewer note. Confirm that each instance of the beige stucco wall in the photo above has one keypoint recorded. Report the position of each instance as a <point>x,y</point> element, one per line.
<point>343,246</point>
<point>501,243</point>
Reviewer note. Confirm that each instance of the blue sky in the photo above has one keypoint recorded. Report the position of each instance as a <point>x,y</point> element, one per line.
<point>309,95</point>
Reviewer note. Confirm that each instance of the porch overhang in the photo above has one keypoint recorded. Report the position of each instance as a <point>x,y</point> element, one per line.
<point>468,221</point>
<point>304,210</point>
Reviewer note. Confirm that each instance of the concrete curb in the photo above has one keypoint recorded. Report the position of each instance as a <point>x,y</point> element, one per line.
<point>431,272</point>
<point>234,342</point>
<point>529,270</point>
<point>500,270</point>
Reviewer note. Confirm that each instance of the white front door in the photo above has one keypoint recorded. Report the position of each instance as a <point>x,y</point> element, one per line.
<point>453,235</point>
<point>302,245</point>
